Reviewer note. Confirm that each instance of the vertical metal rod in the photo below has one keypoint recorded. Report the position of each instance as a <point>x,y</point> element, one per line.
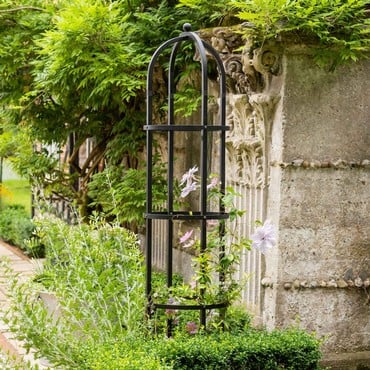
<point>204,161</point>
<point>170,160</point>
<point>222,76</point>
<point>149,171</point>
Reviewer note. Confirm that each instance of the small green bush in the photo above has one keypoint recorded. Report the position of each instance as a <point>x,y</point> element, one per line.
<point>17,228</point>
<point>252,350</point>
<point>291,349</point>
<point>128,354</point>
<point>95,272</point>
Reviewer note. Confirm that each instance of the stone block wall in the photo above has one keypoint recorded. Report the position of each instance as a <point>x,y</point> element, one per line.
<point>319,196</point>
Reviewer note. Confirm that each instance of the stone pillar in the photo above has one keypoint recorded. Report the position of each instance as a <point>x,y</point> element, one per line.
<point>320,195</point>
<point>299,152</point>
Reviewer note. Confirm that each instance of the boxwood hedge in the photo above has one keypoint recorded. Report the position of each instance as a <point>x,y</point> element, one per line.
<point>254,350</point>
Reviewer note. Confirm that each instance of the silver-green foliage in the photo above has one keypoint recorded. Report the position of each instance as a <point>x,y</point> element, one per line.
<point>124,198</point>
<point>96,273</point>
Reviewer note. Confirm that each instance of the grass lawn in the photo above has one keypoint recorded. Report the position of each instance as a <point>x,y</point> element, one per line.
<point>15,192</point>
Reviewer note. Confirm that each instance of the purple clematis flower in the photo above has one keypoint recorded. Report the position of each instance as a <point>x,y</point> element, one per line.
<point>213,183</point>
<point>188,177</point>
<point>264,238</point>
<point>170,311</point>
<point>188,189</point>
<point>185,239</point>
<point>190,182</point>
<point>186,236</point>
<point>191,327</point>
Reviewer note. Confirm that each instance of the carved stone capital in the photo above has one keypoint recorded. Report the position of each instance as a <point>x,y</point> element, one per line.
<point>249,70</point>
<point>264,63</point>
<point>250,119</point>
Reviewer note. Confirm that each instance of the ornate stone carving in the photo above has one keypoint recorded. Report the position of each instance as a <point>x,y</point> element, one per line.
<point>263,63</point>
<point>249,119</point>
<point>238,82</point>
<point>251,108</point>
<point>225,40</point>
<point>250,70</point>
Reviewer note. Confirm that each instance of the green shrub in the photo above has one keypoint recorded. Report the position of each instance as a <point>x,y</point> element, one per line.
<point>96,273</point>
<point>252,350</point>
<point>128,354</point>
<point>16,228</point>
<point>124,198</point>
<point>97,276</point>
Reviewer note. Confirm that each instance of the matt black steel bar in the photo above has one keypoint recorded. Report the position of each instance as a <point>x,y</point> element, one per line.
<point>149,180</point>
<point>170,162</point>
<point>149,160</point>
<point>203,152</point>
<point>205,129</point>
<point>184,128</point>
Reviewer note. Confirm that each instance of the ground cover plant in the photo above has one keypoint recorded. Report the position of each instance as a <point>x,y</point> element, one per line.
<point>96,273</point>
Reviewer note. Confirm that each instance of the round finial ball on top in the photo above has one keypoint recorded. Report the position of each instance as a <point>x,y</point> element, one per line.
<point>186,27</point>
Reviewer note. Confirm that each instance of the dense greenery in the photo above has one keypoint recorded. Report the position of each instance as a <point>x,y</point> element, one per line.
<point>124,198</point>
<point>338,29</point>
<point>17,228</point>
<point>96,274</point>
<point>73,70</point>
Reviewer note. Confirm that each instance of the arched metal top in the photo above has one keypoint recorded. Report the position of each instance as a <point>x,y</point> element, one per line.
<point>202,47</point>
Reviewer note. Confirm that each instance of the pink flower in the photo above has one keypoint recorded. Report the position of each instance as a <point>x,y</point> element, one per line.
<point>185,239</point>
<point>264,238</point>
<point>213,183</point>
<point>186,236</point>
<point>171,311</point>
<point>188,189</point>
<point>188,177</point>
<point>191,327</point>
<point>190,182</point>
<point>193,284</point>
<point>212,223</point>
<point>189,244</point>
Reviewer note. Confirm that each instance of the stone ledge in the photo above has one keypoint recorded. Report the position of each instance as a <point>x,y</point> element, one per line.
<point>338,163</point>
<point>312,284</point>
<point>347,361</point>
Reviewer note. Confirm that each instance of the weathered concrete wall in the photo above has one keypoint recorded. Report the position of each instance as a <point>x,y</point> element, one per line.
<point>300,139</point>
<point>320,196</point>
